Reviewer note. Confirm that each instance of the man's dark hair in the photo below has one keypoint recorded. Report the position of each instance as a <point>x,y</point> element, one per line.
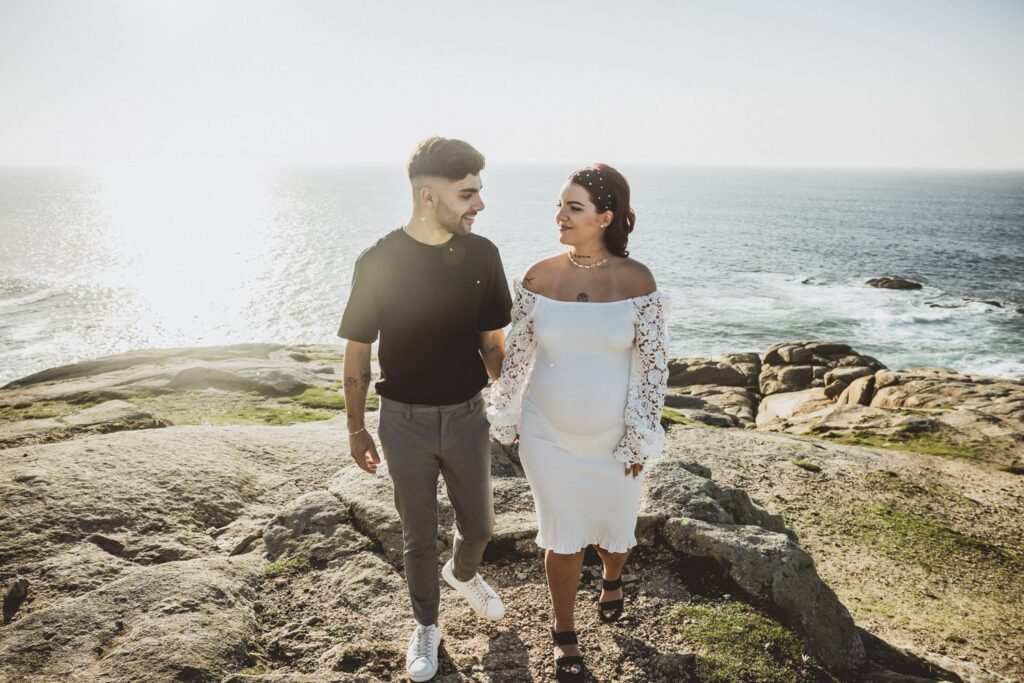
<point>445,158</point>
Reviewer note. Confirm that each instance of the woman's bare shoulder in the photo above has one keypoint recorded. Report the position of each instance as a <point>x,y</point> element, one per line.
<point>636,278</point>
<point>538,275</point>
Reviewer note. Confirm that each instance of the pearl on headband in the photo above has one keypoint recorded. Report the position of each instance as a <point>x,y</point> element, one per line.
<point>594,181</point>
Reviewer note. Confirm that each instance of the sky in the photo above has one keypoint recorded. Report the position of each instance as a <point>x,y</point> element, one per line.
<point>890,84</point>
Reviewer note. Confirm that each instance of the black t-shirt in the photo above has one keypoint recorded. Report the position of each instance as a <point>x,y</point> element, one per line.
<point>429,305</point>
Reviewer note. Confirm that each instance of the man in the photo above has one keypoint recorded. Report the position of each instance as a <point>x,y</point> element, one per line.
<point>437,296</point>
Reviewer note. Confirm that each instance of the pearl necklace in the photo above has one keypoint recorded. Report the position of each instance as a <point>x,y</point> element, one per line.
<point>588,266</point>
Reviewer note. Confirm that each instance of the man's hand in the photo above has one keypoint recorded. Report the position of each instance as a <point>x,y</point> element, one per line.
<point>364,451</point>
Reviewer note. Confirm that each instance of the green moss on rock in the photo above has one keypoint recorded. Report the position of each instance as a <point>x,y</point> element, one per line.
<point>267,415</point>
<point>736,643</point>
<point>927,444</point>
<point>286,566</point>
<point>901,524</point>
<point>321,397</point>
<point>41,410</point>
<point>670,417</point>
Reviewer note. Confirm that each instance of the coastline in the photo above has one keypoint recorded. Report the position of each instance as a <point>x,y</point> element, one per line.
<point>206,468</point>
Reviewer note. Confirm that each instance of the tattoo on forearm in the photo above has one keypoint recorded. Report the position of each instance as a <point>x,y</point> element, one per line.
<point>582,296</point>
<point>366,377</point>
<point>350,382</point>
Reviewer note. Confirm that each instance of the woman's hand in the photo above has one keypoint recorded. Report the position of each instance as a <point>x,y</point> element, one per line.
<point>634,469</point>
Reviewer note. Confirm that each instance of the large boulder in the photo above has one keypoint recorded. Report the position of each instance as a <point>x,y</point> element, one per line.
<point>679,488</point>
<point>182,621</point>
<point>138,498</point>
<point>730,370</point>
<point>794,366</point>
<point>720,392</point>
<point>981,418</point>
<point>265,369</point>
<point>370,501</point>
<point>859,392</point>
<point>784,411</point>
<point>772,567</point>
<point>313,526</point>
<point>718,406</point>
<point>701,517</point>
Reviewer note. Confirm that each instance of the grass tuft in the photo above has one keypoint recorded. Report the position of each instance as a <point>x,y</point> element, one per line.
<point>807,465</point>
<point>736,643</point>
<point>286,566</point>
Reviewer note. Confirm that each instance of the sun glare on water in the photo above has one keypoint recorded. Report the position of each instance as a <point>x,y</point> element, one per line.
<point>186,243</point>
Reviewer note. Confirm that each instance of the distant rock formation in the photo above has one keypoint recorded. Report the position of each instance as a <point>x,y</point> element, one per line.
<point>893,283</point>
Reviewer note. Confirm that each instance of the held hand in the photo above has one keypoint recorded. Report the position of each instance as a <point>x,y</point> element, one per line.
<point>634,469</point>
<point>364,451</point>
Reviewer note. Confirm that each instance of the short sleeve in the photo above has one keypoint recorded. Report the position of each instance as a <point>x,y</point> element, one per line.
<point>361,321</point>
<point>496,304</point>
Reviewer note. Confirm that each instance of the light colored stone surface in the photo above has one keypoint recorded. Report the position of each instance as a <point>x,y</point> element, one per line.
<point>180,517</point>
<point>177,621</point>
<point>109,416</point>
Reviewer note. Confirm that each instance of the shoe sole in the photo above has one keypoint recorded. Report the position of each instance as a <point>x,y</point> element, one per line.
<point>449,576</point>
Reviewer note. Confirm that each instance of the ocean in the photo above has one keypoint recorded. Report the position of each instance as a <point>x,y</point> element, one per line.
<point>100,260</point>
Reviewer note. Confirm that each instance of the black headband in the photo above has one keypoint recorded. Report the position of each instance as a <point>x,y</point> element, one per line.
<point>596,184</point>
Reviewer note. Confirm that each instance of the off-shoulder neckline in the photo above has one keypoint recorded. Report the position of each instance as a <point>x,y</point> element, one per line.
<point>519,284</point>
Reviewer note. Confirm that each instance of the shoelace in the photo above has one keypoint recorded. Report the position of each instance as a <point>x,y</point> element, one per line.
<point>424,638</point>
<point>478,587</point>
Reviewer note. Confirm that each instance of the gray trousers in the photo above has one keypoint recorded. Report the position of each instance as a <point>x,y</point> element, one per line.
<point>419,442</point>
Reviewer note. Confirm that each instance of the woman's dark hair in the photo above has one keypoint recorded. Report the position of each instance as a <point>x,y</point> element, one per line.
<point>445,158</point>
<point>609,191</point>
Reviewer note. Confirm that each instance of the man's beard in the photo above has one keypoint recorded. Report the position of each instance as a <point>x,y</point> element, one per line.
<point>451,221</point>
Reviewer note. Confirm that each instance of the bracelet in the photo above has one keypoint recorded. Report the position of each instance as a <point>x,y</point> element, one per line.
<point>362,429</point>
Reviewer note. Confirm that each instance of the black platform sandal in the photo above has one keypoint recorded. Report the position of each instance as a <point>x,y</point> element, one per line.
<point>568,668</point>
<point>611,610</point>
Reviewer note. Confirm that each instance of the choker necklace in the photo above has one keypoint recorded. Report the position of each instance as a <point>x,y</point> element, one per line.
<point>587,266</point>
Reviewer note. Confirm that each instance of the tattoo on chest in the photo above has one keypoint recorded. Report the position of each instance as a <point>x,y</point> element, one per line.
<point>582,296</point>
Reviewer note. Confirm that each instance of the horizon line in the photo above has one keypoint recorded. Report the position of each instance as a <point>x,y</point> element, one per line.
<point>510,161</point>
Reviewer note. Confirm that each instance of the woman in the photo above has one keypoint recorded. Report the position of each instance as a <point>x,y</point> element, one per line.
<point>582,387</point>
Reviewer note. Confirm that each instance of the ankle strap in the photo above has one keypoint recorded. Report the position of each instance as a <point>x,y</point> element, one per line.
<point>564,637</point>
<point>613,584</point>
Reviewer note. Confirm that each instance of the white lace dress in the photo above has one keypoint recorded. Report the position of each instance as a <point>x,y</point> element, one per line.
<point>583,385</point>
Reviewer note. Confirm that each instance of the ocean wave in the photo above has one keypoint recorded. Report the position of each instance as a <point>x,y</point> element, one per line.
<point>15,293</point>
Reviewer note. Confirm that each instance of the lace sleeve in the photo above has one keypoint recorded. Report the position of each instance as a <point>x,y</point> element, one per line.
<point>520,349</point>
<point>648,378</point>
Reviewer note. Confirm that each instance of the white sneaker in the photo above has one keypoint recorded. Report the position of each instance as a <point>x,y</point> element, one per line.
<point>481,597</point>
<point>421,659</point>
